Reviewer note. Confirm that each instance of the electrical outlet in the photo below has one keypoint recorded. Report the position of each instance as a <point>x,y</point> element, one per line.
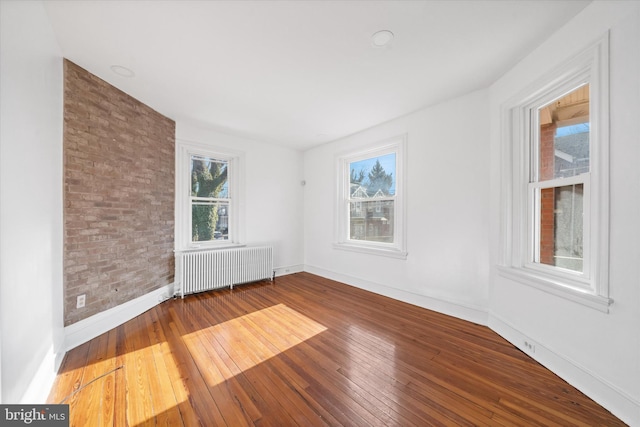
<point>81,300</point>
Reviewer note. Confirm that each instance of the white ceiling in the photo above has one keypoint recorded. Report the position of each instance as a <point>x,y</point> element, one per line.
<point>300,73</point>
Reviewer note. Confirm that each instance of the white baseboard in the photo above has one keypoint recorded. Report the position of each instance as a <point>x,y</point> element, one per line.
<point>605,394</point>
<point>96,325</point>
<point>283,271</point>
<point>78,333</point>
<point>452,308</point>
<point>38,390</point>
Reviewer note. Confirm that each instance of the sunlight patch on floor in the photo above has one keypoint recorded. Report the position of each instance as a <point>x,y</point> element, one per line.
<point>230,348</point>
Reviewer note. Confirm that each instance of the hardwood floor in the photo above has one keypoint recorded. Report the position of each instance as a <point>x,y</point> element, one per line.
<point>307,351</point>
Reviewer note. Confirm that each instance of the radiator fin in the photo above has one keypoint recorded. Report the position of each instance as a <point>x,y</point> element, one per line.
<point>214,269</point>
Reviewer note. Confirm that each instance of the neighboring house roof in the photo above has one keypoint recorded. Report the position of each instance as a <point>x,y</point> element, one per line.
<point>359,193</point>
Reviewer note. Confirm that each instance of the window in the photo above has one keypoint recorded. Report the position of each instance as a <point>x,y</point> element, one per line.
<point>208,189</point>
<point>555,193</point>
<point>559,183</point>
<point>370,206</point>
<point>209,199</point>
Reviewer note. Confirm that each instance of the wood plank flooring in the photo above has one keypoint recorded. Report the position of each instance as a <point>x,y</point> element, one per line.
<point>307,351</point>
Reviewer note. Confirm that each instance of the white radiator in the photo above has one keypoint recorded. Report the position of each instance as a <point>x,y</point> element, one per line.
<point>205,270</point>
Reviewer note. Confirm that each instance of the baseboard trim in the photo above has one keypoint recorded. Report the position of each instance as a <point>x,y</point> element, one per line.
<point>291,269</point>
<point>38,390</point>
<point>91,327</point>
<point>96,325</point>
<point>605,394</point>
<point>451,308</point>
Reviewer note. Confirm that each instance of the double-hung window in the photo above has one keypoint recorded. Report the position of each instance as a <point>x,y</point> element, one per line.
<point>559,184</point>
<point>208,193</point>
<point>555,181</point>
<point>370,205</point>
<point>210,201</point>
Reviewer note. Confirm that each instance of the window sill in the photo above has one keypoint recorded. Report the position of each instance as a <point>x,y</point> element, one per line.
<point>555,287</point>
<point>372,250</point>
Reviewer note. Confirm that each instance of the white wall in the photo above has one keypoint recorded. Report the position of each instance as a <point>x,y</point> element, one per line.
<point>273,193</point>
<point>453,194</point>
<point>31,205</point>
<point>599,353</point>
<point>447,267</point>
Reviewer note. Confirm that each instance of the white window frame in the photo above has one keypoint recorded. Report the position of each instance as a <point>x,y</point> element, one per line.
<point>519,138</point>
<point>235,164</point>
<point>342,240</point>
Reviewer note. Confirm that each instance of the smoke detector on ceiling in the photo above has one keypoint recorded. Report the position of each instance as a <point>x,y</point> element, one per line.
<point>382,38</point>
<point>122,71</point>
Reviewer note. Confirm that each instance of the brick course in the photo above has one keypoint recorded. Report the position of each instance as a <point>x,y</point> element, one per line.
<point>119,195</point>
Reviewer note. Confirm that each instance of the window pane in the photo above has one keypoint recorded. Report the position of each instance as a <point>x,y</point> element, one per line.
<point>209,221</point>
<point>373,177</point>
<point>561,226</point>
<point>209,177</point>
<point>371,220</point>
<point>564,136</point>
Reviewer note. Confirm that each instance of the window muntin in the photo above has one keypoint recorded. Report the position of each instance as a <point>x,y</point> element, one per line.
<point>560,181</point>
<point>370,207</point>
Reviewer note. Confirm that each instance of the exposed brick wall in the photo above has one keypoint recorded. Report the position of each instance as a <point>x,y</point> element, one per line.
<point>119,195</point>
<point>547,196</point>
<point>547,151</point>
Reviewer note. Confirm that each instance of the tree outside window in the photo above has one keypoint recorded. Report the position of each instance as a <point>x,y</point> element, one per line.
<point>209,199</point>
